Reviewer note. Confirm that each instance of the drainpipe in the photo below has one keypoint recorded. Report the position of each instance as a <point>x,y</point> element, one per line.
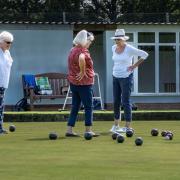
<point>64,17</point>
<point>167,17</point>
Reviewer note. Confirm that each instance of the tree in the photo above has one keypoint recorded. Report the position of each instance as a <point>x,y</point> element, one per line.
<point>104,10</point>
<point>112,10</point>
<point>158,6</point>
<point>54,9</point>
<point>21,9</point>
<point>89,10</point>
<point>62,5</point>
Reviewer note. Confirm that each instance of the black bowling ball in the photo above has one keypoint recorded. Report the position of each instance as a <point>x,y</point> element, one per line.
<point>114,136</point>
<point>120,138</point>
<point>163,133</point>
<point>53,136</point>
<point>154,132</point>
<point>138,141</point>
<point>129,133</point>
<point>88,136</point>
<point>12,128</point>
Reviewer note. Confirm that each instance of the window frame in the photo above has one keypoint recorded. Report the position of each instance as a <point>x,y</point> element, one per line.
<point>157,44</point>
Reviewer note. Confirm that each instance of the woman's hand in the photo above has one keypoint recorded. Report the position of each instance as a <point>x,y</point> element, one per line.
<point>82,67</point>
<point>80,76</point>
<point>130,68</point>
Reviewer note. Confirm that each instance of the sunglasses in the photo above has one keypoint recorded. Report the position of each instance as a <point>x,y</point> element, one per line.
<point>8,42</point>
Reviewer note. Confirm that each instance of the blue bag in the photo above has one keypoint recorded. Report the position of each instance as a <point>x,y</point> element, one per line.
<point>29,80</point>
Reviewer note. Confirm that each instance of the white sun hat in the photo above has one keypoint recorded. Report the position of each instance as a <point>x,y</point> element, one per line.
<point>120,34</point>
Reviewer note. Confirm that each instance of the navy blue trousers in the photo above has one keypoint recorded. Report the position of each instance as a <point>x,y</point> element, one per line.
<point>81,94</point>
<point>122,88</point>
<point>2,92</point>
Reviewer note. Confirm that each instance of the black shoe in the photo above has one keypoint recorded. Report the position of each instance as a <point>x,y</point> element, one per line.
<point>3,131</point>
<point>72,135</point>
<point>96,135</point>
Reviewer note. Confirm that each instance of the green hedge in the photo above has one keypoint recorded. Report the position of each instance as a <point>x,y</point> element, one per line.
<point>98,116</point>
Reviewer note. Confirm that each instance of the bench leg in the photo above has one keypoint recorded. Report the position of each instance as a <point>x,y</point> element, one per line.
<point>31,105</point>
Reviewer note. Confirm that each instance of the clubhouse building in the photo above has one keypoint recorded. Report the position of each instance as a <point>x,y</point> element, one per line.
<point>41,47</point>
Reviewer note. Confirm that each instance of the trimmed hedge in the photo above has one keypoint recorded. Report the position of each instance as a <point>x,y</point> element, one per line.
<point>98,116</point>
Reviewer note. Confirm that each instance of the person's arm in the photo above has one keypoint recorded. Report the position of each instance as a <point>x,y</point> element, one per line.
<point>131,68</point>
<point>82,66</point>
<point>143,55</point>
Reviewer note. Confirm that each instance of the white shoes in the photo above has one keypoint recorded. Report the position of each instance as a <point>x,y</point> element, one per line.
<point>123,129</point>
<point>118,129</point>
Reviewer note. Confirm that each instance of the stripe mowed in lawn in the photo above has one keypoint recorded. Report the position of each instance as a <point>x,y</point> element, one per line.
<point>28,154</point>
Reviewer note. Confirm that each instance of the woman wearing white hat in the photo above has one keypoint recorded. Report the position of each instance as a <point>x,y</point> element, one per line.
<point>6,40</point>
<point>123,54</point>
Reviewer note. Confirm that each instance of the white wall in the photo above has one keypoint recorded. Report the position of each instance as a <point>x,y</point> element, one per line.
<point>36,49</point>
<point>99,62</point>
<point>109,65</point>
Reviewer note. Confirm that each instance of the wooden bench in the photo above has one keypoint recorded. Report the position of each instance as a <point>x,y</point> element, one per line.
<point>59,85</point>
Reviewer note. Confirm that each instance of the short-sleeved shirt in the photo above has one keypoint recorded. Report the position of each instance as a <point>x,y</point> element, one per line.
<point>5,67</point>
<point>74,69</point>
<point>123,60</point>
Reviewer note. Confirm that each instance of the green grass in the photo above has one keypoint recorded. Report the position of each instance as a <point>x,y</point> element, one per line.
<point>28,154</point>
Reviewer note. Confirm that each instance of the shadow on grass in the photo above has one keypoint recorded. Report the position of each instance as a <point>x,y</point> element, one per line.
<point>105,133</point>
<point>44,139</point>
<point>67,138</point>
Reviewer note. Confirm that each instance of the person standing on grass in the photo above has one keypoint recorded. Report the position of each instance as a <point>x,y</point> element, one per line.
<point>81,78</point>
<point>123,68</point>
<point>6,61</point>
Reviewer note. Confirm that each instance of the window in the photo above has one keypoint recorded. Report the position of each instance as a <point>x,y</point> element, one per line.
<point>131,37</point>
<point>167,37</point>
<point>146,37</point>
<point>146,71</point>
<point>159,73</point>
<point>167,69</point>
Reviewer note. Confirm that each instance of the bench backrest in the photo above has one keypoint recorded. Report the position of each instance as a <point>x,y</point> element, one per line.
<point>58,82</point>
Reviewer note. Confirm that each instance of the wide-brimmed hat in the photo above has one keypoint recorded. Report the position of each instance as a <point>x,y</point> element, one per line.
<point>120,34</point>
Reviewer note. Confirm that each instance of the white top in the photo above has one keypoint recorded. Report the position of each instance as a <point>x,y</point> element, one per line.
<point>123,60</point>
<point>5,67</point>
